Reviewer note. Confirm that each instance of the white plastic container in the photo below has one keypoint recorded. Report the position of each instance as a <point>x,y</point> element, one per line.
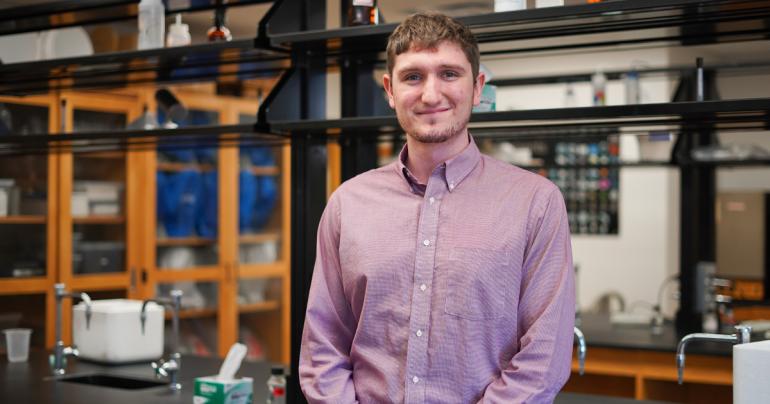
<point>115,333</point>
<point>152,24</point>
<point>510,5</point>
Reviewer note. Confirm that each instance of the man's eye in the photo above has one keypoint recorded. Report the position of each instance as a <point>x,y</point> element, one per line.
<point>450,74</point>
<point>411,77</point>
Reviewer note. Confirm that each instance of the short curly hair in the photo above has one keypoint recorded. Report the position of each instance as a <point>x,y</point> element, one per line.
<point>425,30</point>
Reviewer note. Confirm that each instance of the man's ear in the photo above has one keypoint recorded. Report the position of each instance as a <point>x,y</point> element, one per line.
<point>478,87</point>
<point>387,84</point>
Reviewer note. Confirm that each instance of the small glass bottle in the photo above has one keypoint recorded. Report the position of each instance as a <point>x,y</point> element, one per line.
<point>599,85</point>
<point>219,32</point>
<point>178,33</point>
<point>276,386</point>
<point>363,12</point>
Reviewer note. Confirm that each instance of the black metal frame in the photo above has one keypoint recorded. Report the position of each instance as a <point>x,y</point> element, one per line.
<point>295,110</point>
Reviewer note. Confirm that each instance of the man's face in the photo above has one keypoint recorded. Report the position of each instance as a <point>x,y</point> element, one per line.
<point>433,92</point>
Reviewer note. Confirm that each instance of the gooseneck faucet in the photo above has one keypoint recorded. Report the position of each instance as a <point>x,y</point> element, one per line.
<point>59,350</point>
<point>581,350</point>
<point>170,367</point>
<point>742,336</point>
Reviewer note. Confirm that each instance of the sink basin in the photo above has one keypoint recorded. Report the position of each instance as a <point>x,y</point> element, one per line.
<point>117,382</point>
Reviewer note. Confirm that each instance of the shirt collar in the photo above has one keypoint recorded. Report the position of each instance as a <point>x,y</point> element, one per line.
<point>454,170</point>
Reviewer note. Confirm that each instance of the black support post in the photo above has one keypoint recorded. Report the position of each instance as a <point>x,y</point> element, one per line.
<point>697,211</point>
<point>361,96</point>
<point>300,95</point>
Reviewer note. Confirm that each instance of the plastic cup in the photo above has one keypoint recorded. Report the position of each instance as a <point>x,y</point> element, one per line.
<point>17,344</point>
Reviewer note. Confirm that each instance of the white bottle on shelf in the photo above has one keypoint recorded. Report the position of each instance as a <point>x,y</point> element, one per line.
<point>152,24</point>
<point>178,33</point>
<point>548,3</point>
<point>599,86</point>
<point>510,5</point>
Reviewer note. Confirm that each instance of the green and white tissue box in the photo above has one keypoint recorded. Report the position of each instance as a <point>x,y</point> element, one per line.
<point>210,390</point>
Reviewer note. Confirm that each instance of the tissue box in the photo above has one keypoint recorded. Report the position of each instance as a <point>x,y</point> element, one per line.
<point>210,390</point>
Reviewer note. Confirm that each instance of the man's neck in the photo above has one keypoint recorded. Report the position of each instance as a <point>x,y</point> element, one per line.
<point>423,158</point>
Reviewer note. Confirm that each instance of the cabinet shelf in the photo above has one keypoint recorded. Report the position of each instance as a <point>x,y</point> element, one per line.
<point>258,238</point>
<point>106,155</point>
<point>23,219</point>
<point>264,170</point>
<point>15,286</point>
<point>68,13</point>
<point>177,167</point>
<point>193,313</point>
<point>185,242</point>
<point>693,114</point>
<point>101,141</point>
<point>568,23</point>
<point>99,219</point>
<point>164,65</point>
<point>259,307</point>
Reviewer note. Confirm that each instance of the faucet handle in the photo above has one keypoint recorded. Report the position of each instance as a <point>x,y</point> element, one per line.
<point>159,369</point>
<point>743,334</point>
<point>70,351</point>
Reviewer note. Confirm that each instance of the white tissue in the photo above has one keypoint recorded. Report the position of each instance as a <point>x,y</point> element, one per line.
<point>232,362</point>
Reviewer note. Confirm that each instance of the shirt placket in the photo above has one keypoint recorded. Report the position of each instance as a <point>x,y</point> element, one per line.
<point>425,261</point>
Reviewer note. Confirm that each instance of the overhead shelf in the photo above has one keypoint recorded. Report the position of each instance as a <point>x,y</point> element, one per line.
<point>99,141</point>
<point>731,19</point>
<point>162,65</point>
<point>690,114</point>
<point>68,13</point>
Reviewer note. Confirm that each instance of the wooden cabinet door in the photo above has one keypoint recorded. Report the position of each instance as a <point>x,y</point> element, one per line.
<point>28,190</point>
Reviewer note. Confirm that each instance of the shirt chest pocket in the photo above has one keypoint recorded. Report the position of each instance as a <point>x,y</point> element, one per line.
<point>480,283</point>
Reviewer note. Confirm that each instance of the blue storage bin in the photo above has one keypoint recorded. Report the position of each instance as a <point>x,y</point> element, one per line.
<point>259,155</point>
<point>267,197</point>
<point>247,197</point>
<point>257,198</point>
<point>178,198</point>
<point>207,218</point>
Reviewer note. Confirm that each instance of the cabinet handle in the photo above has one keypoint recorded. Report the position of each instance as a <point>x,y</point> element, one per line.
<point>132,278</point>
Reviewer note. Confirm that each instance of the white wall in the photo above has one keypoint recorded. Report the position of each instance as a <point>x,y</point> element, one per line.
<point>636,261</point>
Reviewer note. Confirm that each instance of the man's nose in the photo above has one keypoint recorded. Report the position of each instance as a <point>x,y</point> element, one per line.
<point>431,91</point>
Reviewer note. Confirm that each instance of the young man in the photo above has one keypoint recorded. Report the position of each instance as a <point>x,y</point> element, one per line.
<point>446,276</point>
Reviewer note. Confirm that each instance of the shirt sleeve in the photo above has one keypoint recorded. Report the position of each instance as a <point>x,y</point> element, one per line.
<point>325,370</point>
<point>546,314</point>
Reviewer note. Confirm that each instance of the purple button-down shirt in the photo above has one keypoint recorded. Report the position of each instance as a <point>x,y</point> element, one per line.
<point>456,291</point>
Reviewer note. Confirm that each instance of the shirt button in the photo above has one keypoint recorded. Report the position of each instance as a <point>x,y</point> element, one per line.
<point>432,199</point>
<point>415,379</point>
<point>426,243</point>
<point>451,185</point>
<point>423,287</point>
<point>419,333</point>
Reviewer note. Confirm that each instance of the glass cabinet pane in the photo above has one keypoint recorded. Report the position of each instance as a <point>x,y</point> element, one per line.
<point>187,197</point>
<point>98,198</point>
<point>23,196</point>
<point>261,318</point>
<point>198,317</point>
<point>260,217</point>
